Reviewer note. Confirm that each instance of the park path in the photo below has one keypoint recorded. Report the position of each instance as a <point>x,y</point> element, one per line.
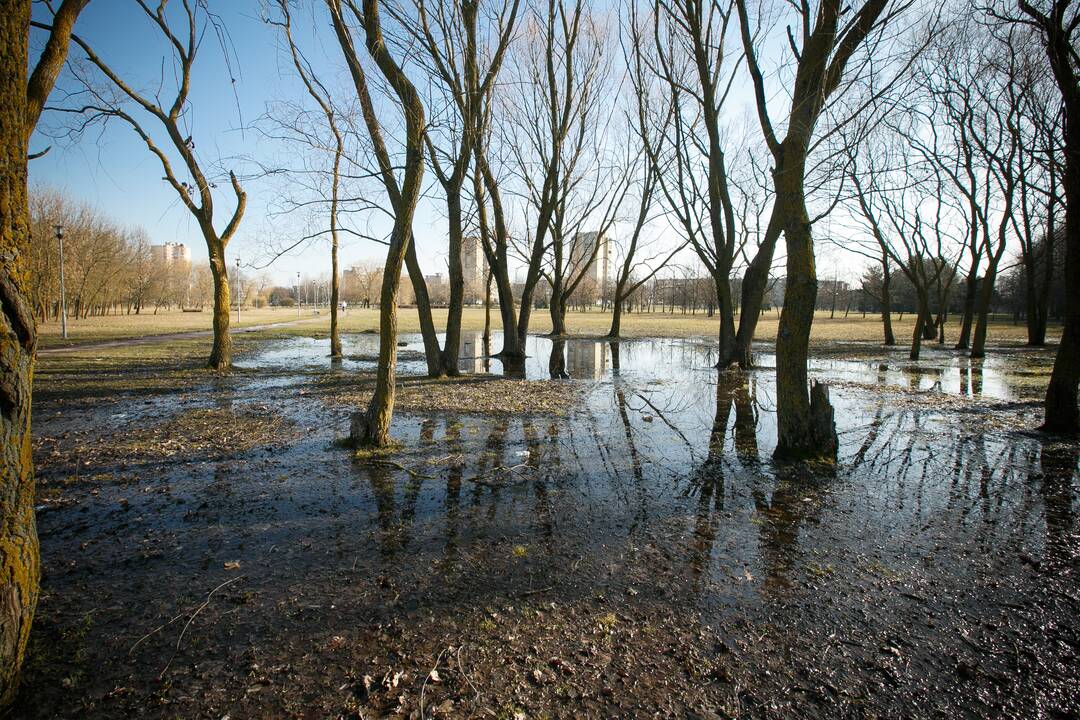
<point>150,339</point>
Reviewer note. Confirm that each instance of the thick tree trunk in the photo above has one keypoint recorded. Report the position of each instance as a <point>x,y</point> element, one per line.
<point>221,353</point>
<point>922,318</point>
<point>804,416</point>
<point>929,329</point>
<point>617,310</point>
<point>557,311</point>
<point>1035,320</point>
<point>372,427</point>
<point>557,359</point>
<point>1062,414</point>
<point>19,569</point>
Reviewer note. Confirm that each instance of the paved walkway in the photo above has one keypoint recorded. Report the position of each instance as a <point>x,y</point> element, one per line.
<point>150,339</point>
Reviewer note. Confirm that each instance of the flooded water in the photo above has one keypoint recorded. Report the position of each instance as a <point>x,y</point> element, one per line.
<point>1009,376</point>
<point>934,566</point>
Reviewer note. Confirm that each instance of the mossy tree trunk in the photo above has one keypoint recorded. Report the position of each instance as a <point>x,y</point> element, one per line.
<point>805,425</point>
<point>21,101</point>
<point>221,352</point>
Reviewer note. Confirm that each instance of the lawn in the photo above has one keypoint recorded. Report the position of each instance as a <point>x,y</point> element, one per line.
<point>854,328</point>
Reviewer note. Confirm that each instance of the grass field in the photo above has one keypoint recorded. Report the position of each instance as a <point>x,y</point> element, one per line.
<point>854,328</point>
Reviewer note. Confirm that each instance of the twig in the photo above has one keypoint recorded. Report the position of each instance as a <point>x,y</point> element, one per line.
<point>426,678</point>
<point>192,619</point>
<point>466,675</point>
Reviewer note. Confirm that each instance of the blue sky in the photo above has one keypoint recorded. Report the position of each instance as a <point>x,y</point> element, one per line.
<point>110,167</point>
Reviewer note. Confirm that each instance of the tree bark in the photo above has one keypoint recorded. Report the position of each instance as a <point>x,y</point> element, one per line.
<point>754,284</point>
<point>727,354</point>
<point>452,344</point>
<point>982,315</point>
<point>886,302</point>
<point>971,283</point>
<point>19,569</point>
<point>221,353</point>
<point>21,101</point>
<point>616,310</point>
<point>804,416</point>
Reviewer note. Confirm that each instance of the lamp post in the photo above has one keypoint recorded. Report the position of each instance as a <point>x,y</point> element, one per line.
<point>298,294</point>
<point>238,290</point>
<point>63,296</point>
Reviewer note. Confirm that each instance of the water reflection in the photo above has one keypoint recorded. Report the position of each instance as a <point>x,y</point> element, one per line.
<point>557,360</point>
<point>1058,462</point>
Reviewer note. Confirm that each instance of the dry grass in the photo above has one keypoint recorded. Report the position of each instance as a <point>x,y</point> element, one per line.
<point>118,327</point>
<point>854,328</point>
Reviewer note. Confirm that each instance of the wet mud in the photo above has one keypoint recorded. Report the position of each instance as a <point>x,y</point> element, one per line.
<point>208,550</point>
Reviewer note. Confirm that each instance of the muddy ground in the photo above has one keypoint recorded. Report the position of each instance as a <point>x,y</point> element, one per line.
<point>618,544</point>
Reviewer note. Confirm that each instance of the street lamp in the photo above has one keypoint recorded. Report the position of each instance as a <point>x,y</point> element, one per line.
<point>238,290</point>
<point>298,294</point>
<point>63,296</point>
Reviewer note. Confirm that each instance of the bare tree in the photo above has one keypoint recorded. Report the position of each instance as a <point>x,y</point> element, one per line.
<point>318,92</point>
<point>98,103</point>
<point>691,58</point>
<point>373,426</point>
<point>1057,21</point>
<point>21,101</point>
<point>464,58</point>
<point>555,130</point>
<point>829,36</point>
<point>907,212</point>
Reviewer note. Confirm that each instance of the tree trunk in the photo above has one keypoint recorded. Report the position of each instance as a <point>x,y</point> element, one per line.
<point>886,303</point>
<point>617,310</point>
<point>804,416</point>
<point>335,290</point>
<point>487,310</point>
<point>557,359</point>
<point>922,318</point>
<point>372,427</point>
<point>557,310</point>
<point>221,353</point>
<point>1035,321</point>
<point>970,287</point>
<point>19,569</point>
<point>432,351</point>
<point>1062,414</point>
<point>727,353</point>
<point>753,293</point>
<point>452,344</point>
<point>986,295</point>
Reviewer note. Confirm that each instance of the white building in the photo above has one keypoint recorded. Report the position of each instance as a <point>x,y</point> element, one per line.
<point>473,268</point>
<point>171,253</point>
<point>581,247</point>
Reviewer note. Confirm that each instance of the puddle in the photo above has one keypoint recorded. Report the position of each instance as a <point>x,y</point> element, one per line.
<point>647,541</point>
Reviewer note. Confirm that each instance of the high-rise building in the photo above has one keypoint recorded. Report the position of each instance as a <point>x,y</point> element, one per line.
<point>171,253</point>
<point>473,268</point>
<point>581,247</point>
